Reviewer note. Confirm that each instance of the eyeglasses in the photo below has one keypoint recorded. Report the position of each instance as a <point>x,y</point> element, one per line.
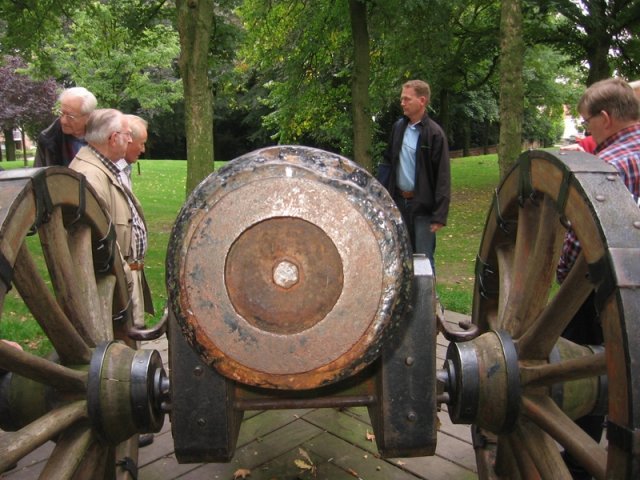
<point>70,117</point>
<point>126,134</point>
<point>585,122</point>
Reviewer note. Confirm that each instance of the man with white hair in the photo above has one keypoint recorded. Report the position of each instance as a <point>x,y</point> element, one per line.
<point>59,143</point>
<point>108,135</point>
<point>135,148</point>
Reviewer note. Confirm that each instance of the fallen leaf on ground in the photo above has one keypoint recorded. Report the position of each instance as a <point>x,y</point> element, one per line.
<point>302,465</point>
<point>305,455</point>
<point>370,436</point>
<point>241,473</point>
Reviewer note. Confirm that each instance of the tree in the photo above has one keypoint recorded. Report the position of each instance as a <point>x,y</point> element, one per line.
<point>511,84</point>
<point>195,21</point>
<point>25,103</point>
<point>302,55</point>
<point>362,132</point>
<point>131,69</point>
<point>601,35</point>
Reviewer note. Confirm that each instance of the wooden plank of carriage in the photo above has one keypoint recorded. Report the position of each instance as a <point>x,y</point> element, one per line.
<point>300,444</point>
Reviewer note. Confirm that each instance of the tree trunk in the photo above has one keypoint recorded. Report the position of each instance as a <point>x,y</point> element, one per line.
<point>195,20</point>
<point>598,59</point>
<point>511,84</point>
<point>24,147</point>
<point>466,137</point>
<point>362,127</point>
<point>10,145</point>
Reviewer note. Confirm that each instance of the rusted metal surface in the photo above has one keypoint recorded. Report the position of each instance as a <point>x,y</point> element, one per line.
<point>288,268</point>
<point>283,275</point>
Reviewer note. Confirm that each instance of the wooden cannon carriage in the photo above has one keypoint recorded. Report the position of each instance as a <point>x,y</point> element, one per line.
<point>291,284</point>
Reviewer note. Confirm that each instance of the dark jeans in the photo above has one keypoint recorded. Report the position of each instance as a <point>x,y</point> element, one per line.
<point>419,227</point>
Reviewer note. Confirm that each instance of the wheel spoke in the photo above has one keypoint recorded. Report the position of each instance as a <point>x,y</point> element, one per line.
<point>68,453</point>
<point>125,450</point>
<point>67,342</point>
<point>542,450</point>
<point>504,256</point>
<point>41,370</point>
<point>80,247</point>
<point>64,275</point>
<point>526,467</point>
<point>538,341</point>
<point>536,252</point>
<point>548,416</point>
<point>97,463</point>
<point>574,369</point>
<point>15,445</point>
<point>106,285</point>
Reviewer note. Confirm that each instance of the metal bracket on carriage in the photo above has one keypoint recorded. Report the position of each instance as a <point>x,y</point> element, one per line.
<point>469,330</point>
<point>153,333</point>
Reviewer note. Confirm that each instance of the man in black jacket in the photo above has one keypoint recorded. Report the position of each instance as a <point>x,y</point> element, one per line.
<point>59,143</point>
<point>416,164</point>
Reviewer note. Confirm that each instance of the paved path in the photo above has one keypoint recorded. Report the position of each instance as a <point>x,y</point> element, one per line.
<point>274,445</point>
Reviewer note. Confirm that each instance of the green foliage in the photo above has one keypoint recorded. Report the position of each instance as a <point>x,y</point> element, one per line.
<point>601,38</point>
<point>297,59</point>
<point>551,83</point>
<point>126,69</point>
<point>301,53</point>
<point>26,26</point>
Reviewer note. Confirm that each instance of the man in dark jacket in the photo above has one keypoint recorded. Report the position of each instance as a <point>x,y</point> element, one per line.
<point>416,164</point>
<point>59,143</point>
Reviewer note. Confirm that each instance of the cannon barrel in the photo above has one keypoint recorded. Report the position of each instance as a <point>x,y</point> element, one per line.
<point>288,268</point>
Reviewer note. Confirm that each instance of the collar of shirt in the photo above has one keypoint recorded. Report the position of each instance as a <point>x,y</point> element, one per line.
<point>106,162</point>
<point>121,164</point>
<point>629,133</point>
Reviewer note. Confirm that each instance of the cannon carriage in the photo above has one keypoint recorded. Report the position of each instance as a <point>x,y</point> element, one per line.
<point>291,284</point>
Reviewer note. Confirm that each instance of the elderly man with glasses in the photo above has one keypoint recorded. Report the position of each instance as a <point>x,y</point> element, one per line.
<point>611,112</point>
<point>108,135</point>
<point>59,143</point>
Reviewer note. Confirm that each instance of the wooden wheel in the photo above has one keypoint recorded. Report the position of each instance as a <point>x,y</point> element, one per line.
<point>533,384</point>
<point>80,299</point>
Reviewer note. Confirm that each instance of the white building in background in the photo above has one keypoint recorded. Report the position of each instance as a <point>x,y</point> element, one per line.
<point>572,131</point>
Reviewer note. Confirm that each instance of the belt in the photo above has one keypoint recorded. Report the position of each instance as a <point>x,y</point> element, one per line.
<point>139,265</point>
<point>405,195</point>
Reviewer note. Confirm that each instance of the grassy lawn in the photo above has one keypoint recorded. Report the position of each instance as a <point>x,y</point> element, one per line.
<point>473,181</point>
<point>160,186</point>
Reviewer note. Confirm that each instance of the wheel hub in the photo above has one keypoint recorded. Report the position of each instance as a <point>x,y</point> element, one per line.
<point>127,391</point>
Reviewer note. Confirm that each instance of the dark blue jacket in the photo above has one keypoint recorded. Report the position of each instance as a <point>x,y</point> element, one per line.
<point>432,192</point>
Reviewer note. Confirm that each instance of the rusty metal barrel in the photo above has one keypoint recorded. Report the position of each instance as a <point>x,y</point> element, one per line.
<point>288,268</point>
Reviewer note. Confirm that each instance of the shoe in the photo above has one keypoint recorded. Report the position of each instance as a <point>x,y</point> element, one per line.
<point>145,439</point>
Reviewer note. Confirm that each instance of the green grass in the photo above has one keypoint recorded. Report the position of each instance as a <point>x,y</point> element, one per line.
<point>160,187</point>
<point>473,181</point>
